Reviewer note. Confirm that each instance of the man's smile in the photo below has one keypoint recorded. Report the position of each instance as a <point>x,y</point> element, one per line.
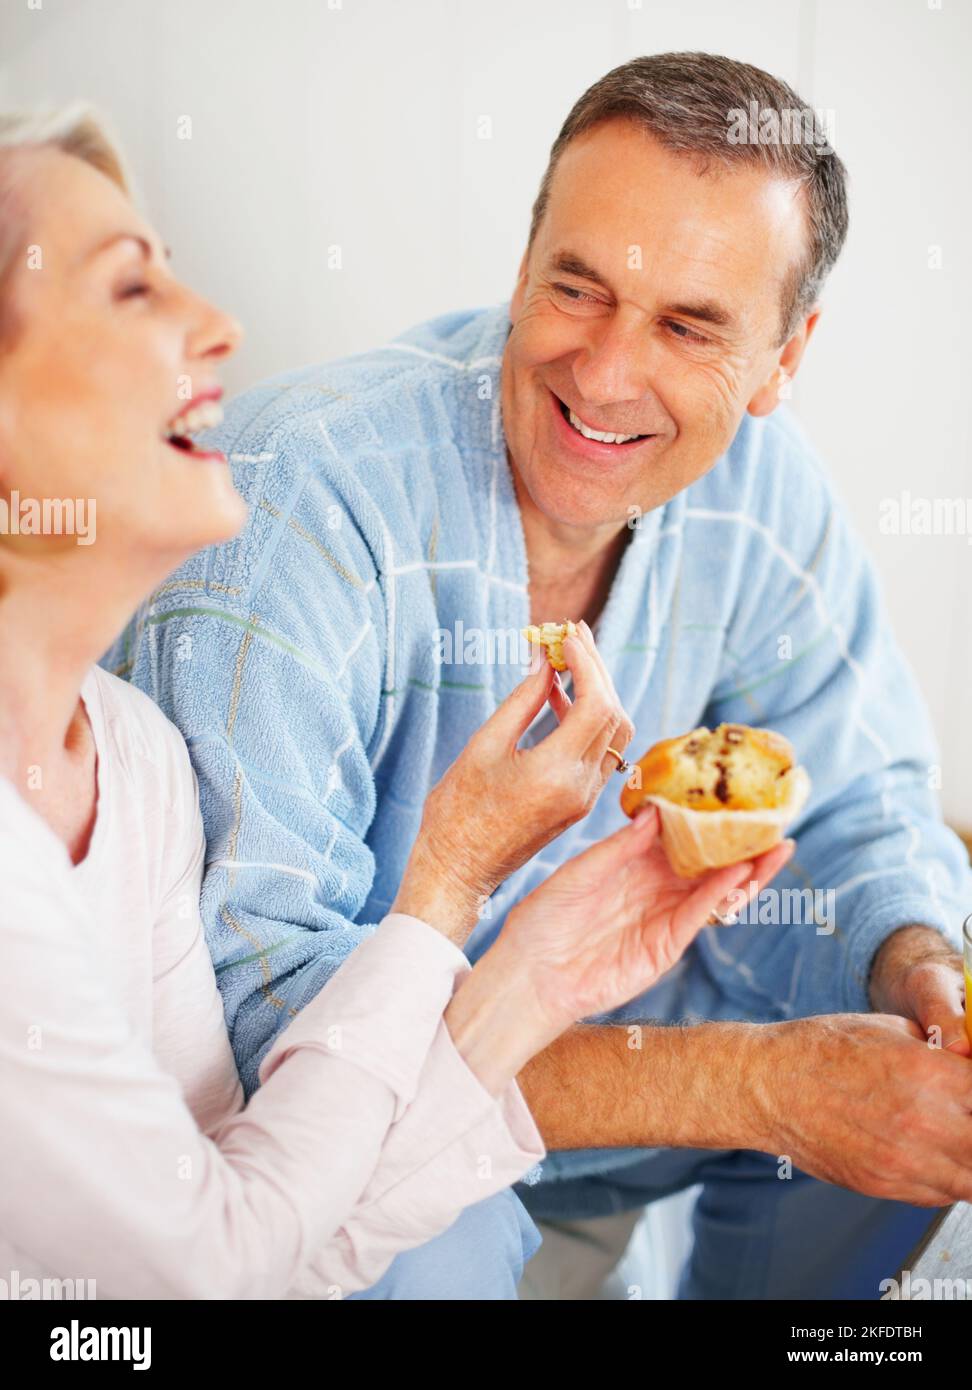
<point>583,437</point>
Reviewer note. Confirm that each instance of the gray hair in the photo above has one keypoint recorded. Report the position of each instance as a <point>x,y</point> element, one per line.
<point>687,101</point>
<point>76,130</point>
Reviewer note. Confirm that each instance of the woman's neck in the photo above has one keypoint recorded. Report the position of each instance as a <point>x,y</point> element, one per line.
<point>55,621</point>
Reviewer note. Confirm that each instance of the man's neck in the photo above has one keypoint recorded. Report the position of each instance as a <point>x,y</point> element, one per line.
<point>571,568</point>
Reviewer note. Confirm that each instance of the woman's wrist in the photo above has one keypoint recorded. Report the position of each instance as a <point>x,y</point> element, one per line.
<point>433,891</point>
<point>494,1020</point>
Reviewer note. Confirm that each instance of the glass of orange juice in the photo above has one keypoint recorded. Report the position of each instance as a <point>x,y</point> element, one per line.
<point>967,942</point>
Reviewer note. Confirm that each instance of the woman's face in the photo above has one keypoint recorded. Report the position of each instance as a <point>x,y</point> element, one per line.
<point>101,350</point>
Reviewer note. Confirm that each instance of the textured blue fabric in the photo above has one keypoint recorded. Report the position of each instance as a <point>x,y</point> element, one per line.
<point>302,662</point>
<point>480,1257</point>
<point>755,1235</point>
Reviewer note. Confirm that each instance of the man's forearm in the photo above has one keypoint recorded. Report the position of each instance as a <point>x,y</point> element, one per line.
<point>691,1087</point>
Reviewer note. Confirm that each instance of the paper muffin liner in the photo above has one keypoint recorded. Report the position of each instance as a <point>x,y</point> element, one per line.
<point>696,841</point>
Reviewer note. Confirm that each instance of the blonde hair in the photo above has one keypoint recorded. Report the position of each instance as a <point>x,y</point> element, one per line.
<point>77,130</point>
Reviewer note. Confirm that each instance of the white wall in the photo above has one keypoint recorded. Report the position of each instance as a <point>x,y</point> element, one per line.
<point>316,124</point>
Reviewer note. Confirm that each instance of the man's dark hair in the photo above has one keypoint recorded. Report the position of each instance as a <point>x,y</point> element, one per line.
<point>691,103</point>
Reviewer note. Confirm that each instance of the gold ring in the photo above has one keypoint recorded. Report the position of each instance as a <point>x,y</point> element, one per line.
<point>716,919</point>
<point>622,766</point>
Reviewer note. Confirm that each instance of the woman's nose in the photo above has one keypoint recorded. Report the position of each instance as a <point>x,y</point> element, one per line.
<point>216,334</point>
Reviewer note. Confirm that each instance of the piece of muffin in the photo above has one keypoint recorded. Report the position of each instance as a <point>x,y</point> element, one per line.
<point>723,796</point>
<point>551,636</point>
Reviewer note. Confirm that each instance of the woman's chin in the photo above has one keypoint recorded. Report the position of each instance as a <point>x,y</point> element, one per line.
<point>195,523</point>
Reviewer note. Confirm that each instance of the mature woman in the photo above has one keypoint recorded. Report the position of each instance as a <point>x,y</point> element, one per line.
<point>390,1102</point>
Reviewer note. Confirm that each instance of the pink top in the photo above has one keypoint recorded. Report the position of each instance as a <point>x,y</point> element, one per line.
<point>128,1157</point>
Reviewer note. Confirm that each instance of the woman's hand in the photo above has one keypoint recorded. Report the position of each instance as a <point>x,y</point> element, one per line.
<point>608,923</point>
<point>498,805</point>
<point>602,929</point>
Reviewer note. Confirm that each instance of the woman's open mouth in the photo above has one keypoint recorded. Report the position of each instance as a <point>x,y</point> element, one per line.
<point>204,416</point>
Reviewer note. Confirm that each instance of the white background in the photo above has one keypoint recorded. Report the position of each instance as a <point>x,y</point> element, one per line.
<point>316,125</point>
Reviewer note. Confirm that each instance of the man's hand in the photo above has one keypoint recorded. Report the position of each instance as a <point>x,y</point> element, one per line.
<point>861,1100</point>
<point>919,975</point>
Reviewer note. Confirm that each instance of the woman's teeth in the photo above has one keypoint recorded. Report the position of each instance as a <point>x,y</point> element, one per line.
<point>600,435</point>
<point>205,416</point>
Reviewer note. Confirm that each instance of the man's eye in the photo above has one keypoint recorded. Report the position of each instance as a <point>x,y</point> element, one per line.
<point>687,335</point>
<point>576,296</point>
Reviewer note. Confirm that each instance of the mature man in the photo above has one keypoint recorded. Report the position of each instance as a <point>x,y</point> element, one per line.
<point>606,447</point>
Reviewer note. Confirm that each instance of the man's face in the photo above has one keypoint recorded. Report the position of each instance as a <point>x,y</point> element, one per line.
<point>649,305</point>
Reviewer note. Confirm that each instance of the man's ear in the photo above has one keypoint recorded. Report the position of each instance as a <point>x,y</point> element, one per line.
<point>777,388</point>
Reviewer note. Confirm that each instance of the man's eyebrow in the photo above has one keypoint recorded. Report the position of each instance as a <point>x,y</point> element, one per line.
<point>569,263</point>
<point>144,245</point>
<point>704,311</point>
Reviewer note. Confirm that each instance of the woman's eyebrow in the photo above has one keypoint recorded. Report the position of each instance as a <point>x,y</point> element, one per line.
<point>144,245</point>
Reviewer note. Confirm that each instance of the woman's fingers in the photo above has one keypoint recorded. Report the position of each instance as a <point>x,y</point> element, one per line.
<point>587,637</point>
<point>710,896</point>
<point>752,879</point>
<point>609,856</point>
<point>559,699</point>
<point>624,731</point>
<point>510,720</point>
<point>596,718</point>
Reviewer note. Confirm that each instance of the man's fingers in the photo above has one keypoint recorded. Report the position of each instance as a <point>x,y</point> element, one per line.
<point>936,1004</point>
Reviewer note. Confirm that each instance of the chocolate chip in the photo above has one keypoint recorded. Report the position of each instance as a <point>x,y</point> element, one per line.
<point>721,789</point>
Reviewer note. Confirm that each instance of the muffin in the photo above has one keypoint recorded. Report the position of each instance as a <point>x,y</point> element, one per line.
<point>723,796</point>
<point>551,636</point>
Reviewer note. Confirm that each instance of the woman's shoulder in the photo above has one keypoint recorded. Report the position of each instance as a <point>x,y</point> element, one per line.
<point>142,740</point>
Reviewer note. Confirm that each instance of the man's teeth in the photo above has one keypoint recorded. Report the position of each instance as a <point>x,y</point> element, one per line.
<point>599,435</point>
<point>205,416</point>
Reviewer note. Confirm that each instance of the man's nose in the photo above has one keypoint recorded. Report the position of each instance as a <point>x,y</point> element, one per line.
<point>616,361</point>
